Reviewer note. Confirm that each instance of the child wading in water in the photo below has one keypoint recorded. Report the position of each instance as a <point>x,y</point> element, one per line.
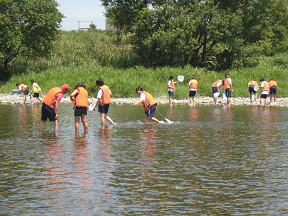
<point>80,98</point>
<point>264,91</point>
<point>104,100</point>
<point>171,88</point>
<point>193,83</point>
<point>227,82</point>
<point>149,104</point>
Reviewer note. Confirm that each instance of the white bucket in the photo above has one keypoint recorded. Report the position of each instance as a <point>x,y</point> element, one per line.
<point>256,88</point>
<point>180,78</point>
<point>224,96</point>
<point>216,94</point>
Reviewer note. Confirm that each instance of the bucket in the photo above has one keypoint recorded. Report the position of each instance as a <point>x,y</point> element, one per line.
<point>216,94</point>
<point>256,88</point>
<point>15,92</point>
<point>180,78</point>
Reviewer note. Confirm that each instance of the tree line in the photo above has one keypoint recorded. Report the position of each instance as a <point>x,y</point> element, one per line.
<point>217,34</point>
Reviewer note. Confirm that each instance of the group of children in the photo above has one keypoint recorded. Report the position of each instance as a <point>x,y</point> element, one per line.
<point>265,86</point>
<point>50,103</point>
<point>50,106</point>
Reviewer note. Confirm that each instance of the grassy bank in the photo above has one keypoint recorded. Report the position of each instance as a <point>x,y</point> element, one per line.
<point>86,56</point>
<point>124,81</point>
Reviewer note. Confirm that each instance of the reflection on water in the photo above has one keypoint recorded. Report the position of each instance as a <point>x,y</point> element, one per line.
<point>212,161</point>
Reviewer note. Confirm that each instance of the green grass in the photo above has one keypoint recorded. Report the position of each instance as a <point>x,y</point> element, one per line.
<point>86,56</point>
<point>123,82</point>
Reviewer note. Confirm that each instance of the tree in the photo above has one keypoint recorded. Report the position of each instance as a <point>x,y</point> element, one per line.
<point>209,33</point>
<point>26,26</point>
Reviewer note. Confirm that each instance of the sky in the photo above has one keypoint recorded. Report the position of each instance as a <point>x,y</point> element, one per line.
<point>83,10</point>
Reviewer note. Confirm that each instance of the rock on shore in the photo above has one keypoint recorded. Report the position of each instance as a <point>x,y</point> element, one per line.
<point>236,101</point>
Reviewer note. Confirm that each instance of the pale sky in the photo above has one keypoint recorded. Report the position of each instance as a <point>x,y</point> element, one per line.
<point>83,10</point>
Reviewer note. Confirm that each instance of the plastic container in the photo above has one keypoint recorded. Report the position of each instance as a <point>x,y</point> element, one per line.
<point>15,92</point>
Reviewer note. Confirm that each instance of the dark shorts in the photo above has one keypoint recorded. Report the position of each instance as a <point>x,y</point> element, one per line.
<point>228,93</point>
<point>214,90</point>
<point>251,89</point>
<point>26,91</point>
<point>47,112</point>
<point>263,96</point>
<point>273,90</point>
<point>170,93</point>
<point>36,95</point>
<point>80,110</point>
<point>151,111</point>
<point>103,108</point>
<point>192,93</point>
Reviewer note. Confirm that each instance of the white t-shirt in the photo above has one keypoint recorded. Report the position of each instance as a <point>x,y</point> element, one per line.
<point>100,93</point>
<point>143,97</point>
<point>263,92</point>
<point>191,89</point>
<point>169,83</point>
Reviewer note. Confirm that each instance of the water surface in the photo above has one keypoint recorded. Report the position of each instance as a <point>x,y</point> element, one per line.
<point>213,160</point>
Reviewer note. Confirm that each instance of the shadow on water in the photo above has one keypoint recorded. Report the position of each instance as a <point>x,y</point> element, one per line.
<point>212,160</point>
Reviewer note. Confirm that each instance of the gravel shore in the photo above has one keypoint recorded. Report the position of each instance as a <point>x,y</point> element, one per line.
<point>236,101</point>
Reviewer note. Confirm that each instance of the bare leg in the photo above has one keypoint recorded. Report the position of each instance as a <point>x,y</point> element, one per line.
<point>228,101</point>
<point>274,97</point>
<point>77,120</point>
<point>84,121</point>
<point>170,99</point>
<point>154,119</point>
<point>251,97</point>
<point>42,125</point>
<point>145,119</point>
<point>24,99</point>
<point>255,97</point>
<point>215,99</point>
<point>190,98</point>
<point>56,126</point>
<point>193,100</point>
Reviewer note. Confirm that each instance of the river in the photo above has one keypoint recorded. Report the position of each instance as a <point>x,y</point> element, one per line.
<point>210,161</point>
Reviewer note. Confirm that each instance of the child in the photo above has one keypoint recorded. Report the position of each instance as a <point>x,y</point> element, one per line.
<point>50,106</point>
<point>227,82</point>
<point>149,104</point>
<point>104,100</point>
<point>35,90</point>
<point>193,83</point>
<point>23,88</point>
<point>251,89</point>
<point>273,89</point>
<point>171,88</point>
<point>216,87</point>
<point>80,98</point>
<point>264,91</point>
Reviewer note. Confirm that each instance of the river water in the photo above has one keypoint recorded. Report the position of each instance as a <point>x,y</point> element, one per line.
<point>210,161</point>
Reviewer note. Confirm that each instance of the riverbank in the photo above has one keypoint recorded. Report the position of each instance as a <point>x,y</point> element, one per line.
<point>236,101</point>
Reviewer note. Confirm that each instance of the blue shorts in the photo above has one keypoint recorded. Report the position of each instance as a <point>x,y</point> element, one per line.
<point>192,93</point>
<point>151,111</point>
<point>251,89</point>
<point>214,90</point>
<point>228,93</point>
<point>103,108</point>
<point>273,90</point>
<point>264,96</point>
<point>48,112</point>
<point>171,93</point>
<point>26,91</point>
